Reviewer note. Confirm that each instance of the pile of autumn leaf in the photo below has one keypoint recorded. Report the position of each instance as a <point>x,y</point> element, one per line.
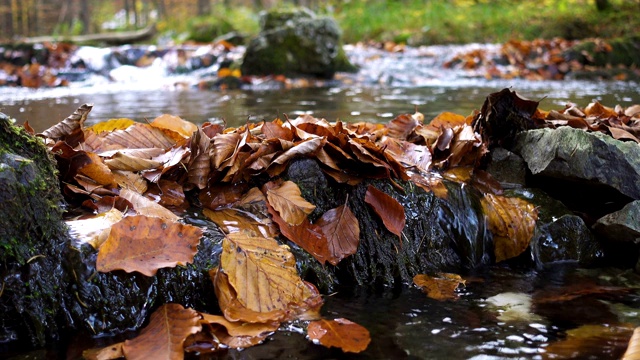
<point>540,59</point>
<point>129,175</point>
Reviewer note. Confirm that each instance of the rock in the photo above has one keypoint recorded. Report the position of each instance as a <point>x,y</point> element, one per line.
<point>32,239</point>
<point>622,225</point>
<point>507,168</point>
<point>606,53</point>
<point>567,238</point>
<point>593,159</point>
<point>295,42</point>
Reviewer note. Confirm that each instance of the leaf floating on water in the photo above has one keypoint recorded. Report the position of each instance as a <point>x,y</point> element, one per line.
<point>341,333</point>
<point>389,209</point>
<point>239,334</point>
<point>341,231</point>
<point>164,337</point>
<point>288,201</point>
<point>264,277</point>
<point>633,350</point>
<point>512,222</point>
<point>590,342</point>
<point>146,244</point>
<point>231,220</point>
<point>70,124</point>
<point>441,287</point>
<point>110,352</point>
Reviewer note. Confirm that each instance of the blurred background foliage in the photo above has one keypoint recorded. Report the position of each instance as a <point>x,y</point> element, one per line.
<point>415,22</point>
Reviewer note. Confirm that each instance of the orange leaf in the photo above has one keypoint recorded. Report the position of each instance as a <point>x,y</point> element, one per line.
<point>306,235</point>
<point>342,233</point>
<point>448,120</point>
<point>340,333</point>
<point>441,287</point>
<point>94,168</point>
<point>239,334</point>
<point>175,123</point>
<point>402,126</point>
<point>591,342</point>
<point>225,146</point>
<point>110,352</point>
<point>163,338</point>
<point>146,244</point>
<point>288,201</point>
<point>232,220</point>
<point>512,222</point>
<point>264,277</point>
<point>389,209</point>
<point>633,350</point>
<point>144,206</point>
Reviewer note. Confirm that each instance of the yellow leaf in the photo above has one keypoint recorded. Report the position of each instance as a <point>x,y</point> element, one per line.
<point>288,201</point>
<point>94,230</point>
<point>111,125</point>
<point>175,123</point>
<point>512,222</point>
<point>440,287</point>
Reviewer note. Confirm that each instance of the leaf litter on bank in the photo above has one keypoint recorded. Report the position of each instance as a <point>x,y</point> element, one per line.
<point>202,158</point>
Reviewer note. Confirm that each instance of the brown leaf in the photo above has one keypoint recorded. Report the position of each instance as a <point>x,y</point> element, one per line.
<point>402,126</point>
<point>110,352</point>
<point>199,165</point>
<point>231,220</point>
<point>633,350</point>
<point>94,230</point>
<point>589,342</point>
<point>144,206</point>
<point>166,193</point>
<point>447,120</point>
<point>441,287</point>
<point>512,222</point>
<point>131,181</point>
<point>175,123</point>
<point>221,195</point>
<point>123,161</point>
<point>146,244</point>
<point>140,136</point>
<point>288,201</point>
<point>70,124</point>
<point>91,165</point>
<point>264,277</point>
<point>164,337</point>
<point>388,209</point>
<point>225,146</point>
<point>410,155</point>
<point>342,233</point>
<point>303,148</point>
<point>275,130</point>
<point>239,334</point>
<point>306,235</point>
<point>341,333</point>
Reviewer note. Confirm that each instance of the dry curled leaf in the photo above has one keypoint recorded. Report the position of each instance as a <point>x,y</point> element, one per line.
<point>289,203</point>
<point>389,209</point>
<point>146,244</point>
<point>70,124</point>
<point>512,222</point>
<point>341,333</point>
<point>440,287</point>
<point>164,337</point>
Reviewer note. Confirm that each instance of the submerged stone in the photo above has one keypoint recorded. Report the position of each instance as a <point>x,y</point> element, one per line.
<point>622,225</point>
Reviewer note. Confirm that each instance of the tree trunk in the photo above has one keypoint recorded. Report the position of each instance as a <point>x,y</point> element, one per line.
<point>85,16</point>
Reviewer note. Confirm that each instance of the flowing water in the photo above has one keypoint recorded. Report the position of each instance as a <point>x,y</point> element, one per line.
<point>500,314</point>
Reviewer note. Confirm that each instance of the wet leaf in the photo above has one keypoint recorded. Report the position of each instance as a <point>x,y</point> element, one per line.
<point>401,126</point>
<point>231,220</point>
<point>342,233</point>
<point>225,146</point>
<point>303,148</point>
<point>110,352</point>
<point>111,125</point>
<point>91,165</point>
<point>175,123</point>
<point>512,222</point>
<point>130,181</point>
<point>388,209</point>
<point>633,350</point>
<point>146,244</point>
<point>410,155</point>
<point>264,277</point>
<point>222,195</point>
<point>239,334</point>
<point>306,235</point>
<point>288,201</point>
<point>70,124</point>
<point>144,206</point>
<point>590,342</point>
<point>164,337</point>
<point>447,120</point>
<point>166,193</point>
<point>441,287</point>
<point>341,333</point>
<point>94,230</point>
<point>199,166</point>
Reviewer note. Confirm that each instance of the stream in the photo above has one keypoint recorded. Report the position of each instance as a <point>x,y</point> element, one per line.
<point>501,314</point>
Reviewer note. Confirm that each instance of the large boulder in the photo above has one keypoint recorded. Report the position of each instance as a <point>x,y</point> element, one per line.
<point>622,225</point>
<point>295,42</point>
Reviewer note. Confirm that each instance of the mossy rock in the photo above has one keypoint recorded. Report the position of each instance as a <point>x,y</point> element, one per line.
<point>207,29</point>
<point>296,43</point>
<point>32,239</point>
<point>623,51</point>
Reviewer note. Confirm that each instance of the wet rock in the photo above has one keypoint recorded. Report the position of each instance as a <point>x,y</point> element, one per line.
<point>32,240</point>
<point>566,238</point>
<point>507,168</point>
<point>295,42</point>
<point>622,225</point>
<point>592,159</point>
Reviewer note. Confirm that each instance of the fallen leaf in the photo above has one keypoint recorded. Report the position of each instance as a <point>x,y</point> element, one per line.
<point>175,123</point>
<point>111,125</point>
<point>199,166</point>
<point>167,193</point>
<point>341,333</point>
<point>140,136</point>
<point>512,222</point>
<point>225,146</point>
<point>264,277</point>
<point>130,181</point>
<point>231,220</point>
<point>342,232</point>
<point>94,230</point>
<point>401,126</point>
<point>590,342</point>
<point>91,165</point>
<point>164,337</point>
<point>633,349</point>
<point>110,352</point>
<point>146,244</point>
<point>123,161</point>
<point>70,124</point>
<point>288,201</point>
<point>388,209</point>
<point>144,206</point>
<point>441,287</point>
<point>239,334</point>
